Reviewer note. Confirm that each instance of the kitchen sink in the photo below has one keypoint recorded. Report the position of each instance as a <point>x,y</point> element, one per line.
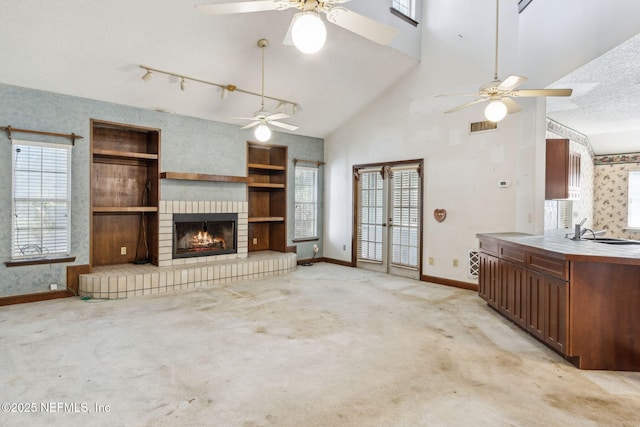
<point>613,241</point>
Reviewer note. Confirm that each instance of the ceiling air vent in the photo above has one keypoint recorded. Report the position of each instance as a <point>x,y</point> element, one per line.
<point>484,126</point>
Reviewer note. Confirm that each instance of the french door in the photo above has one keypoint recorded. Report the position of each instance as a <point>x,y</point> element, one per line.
<point>388,217</point>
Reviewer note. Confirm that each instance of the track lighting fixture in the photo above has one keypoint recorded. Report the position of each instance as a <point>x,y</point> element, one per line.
<point>226,89</point>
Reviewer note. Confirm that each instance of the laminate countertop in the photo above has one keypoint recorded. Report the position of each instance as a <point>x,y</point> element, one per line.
<point>574,250</point>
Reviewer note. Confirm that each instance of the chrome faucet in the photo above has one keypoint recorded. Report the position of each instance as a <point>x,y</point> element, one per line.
<point>578,232</point>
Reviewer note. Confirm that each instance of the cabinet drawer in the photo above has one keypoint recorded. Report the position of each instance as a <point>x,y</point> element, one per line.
<point>513,253</point>
<point>489,245</point>
<point>548,264</point>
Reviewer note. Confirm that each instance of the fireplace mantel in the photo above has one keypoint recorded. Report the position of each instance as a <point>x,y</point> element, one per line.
<point>187,176</point>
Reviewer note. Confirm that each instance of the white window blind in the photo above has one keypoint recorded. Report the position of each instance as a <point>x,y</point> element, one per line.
<point>633,205</point>
<point>41,199</point>
<point>306,202</point>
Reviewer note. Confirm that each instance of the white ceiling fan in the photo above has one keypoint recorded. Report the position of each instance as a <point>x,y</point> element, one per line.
<point>307,31</point>
<point>499,93</point>
<point>263,118</point>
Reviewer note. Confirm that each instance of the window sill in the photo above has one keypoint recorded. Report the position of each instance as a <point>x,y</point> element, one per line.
<point>306,239</point>
<point>37,261</point>
<point>631,229</point>
<point>404,17</point>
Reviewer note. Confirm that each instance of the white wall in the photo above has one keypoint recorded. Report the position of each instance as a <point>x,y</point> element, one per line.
<point>462,170</point>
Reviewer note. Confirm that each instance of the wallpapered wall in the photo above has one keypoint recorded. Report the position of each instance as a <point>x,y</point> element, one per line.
<point>610,194</point>
<point>187,145</point>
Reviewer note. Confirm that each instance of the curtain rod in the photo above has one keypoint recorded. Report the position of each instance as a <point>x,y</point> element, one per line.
<point>71,136</point>
<point>314,162</point>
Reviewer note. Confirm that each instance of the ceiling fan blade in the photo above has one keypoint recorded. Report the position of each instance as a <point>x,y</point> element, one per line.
<point>512,82</point>
<point>512,106</point>
<point>251,125</point>
<point>283,125</point>
<point>243,118</point>
<point>242,7</point>
<point>542,92</point>
<point>459,94</point>
<point>361,25</point>
<point>278,116</point>
<point>468,104</point>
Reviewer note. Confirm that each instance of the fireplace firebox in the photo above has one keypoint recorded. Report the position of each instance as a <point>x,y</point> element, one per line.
<point>197,235</point>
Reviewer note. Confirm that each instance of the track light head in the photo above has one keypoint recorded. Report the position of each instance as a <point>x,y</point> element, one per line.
<point>147,75</point>
<point>183,84</point>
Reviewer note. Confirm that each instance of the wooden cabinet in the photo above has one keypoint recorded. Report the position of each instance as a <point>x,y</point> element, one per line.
<point>488,283</point>
<point>267,196</point>
<point>529,288</point>
<point>562,171</point>
<point>124,193</point>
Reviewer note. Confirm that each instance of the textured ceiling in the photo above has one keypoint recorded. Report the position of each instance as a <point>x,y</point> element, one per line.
<point>605,104</point>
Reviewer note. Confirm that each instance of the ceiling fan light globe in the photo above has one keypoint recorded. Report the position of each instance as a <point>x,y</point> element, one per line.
<point>495,111</point>
<point>308,32</point>
<point>262,133</point>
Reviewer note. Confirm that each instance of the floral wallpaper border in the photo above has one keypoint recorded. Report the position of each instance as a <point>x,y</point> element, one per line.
<point>617,159</point>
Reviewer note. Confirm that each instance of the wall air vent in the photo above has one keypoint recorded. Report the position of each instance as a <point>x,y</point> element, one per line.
<point>484,126</point>
<point>473,264</point>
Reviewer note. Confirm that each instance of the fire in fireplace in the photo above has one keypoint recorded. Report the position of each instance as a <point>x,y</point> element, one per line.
<point>197,235</point>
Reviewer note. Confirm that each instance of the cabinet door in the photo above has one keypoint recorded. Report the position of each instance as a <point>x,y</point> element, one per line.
<point>513,295</point>
<point>557,309</point>
<point>488,284</point>
<point>535,305</point>
<point>547,309</point>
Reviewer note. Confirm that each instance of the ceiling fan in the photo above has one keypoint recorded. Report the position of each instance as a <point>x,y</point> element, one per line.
<point>263,118</point>
<point>499,93</point>
<point>307,31</point>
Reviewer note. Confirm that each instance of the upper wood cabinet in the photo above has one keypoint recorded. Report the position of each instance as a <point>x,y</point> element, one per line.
<point>562,171</point>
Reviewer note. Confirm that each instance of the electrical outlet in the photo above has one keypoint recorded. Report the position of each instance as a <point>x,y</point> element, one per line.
<point>455,262</point>
<point>255,240</point>
<point>344,247</point>
<point>53,286</point>
<point>430,260</point>
<point>123,250</point>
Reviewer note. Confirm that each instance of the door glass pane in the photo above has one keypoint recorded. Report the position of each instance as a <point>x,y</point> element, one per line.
<point>405,198</point>
<point>371,216</point>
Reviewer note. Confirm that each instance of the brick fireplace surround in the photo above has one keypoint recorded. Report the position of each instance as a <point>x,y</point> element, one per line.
<point>128,280</point>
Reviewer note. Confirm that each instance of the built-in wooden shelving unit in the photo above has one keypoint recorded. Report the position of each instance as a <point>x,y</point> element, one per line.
<point>267,196</point>
<point>124,193</point>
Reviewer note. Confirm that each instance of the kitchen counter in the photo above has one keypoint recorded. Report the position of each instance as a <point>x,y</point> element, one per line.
<point>573,250</point>
<point>580,298</point>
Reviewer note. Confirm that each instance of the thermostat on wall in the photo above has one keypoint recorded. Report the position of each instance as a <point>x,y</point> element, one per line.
<point>503,184</point>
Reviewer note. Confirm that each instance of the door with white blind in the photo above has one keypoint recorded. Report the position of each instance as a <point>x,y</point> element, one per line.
<point>388,217</point>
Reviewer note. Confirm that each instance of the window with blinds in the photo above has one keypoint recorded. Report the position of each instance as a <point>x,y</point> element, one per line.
<point>406,7</point>
<point>633,205</point>
<point>306,202</point>
<point>405,202</point>
<point>41,199</point>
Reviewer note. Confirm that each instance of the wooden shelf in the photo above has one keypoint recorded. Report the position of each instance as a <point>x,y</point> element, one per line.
<point>266,219</point>
<point>260,166</point>
<point>124,154</point>
<point>266,185</point>
<point>124,209</point>
<point>185,176</point>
